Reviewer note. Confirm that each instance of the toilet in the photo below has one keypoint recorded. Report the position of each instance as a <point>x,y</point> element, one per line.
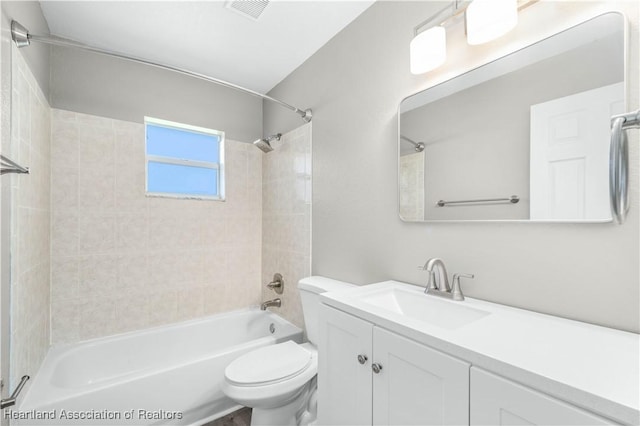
<point>279,381</point>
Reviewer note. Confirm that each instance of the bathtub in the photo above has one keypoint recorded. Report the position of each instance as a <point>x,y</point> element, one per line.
<point>164,375</point>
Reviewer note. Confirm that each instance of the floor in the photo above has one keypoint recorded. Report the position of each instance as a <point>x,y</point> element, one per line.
<point>242,417</point>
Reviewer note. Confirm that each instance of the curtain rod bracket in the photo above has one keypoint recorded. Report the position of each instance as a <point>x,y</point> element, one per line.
<point>20,34</point>
<point>307,115</point>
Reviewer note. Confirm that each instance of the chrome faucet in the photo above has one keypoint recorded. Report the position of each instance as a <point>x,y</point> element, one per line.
<point>275,302</point>
<point>433,266</point>
<point>439,285</point>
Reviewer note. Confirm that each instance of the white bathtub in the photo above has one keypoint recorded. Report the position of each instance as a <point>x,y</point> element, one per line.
<point>165,375</point>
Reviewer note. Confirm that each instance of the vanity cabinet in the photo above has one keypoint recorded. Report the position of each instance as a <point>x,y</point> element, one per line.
<point>499,401</point>
<point>344,384</point>
<point>389,354</point>
<point>368,375</point>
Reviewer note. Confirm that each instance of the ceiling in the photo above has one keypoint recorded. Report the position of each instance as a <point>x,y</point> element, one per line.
<point>207,37</point>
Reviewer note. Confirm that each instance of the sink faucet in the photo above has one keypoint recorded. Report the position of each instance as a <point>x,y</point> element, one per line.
<point>436,266</point>
<point>439,286</point>
<point>275,302</point>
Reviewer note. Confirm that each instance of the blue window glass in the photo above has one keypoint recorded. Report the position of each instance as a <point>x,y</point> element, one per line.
<point>178,143</point>
<point>177,179</point>
<point>183,161</point>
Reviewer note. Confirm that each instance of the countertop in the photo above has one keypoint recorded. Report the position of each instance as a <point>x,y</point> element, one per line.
<point>593,367</point>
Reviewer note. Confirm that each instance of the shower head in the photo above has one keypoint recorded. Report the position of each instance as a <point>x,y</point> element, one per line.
<point>265,143</point>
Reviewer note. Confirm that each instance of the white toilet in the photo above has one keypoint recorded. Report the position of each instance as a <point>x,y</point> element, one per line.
<point>279,381</point>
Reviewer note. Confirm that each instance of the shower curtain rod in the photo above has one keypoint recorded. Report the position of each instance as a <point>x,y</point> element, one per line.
<point>23,38</point>
<point>418,146</point>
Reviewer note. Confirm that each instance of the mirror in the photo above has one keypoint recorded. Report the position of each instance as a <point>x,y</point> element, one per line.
<point>525,137</point>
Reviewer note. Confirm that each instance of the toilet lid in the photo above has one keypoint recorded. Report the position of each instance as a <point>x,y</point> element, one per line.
<point>269,364</point>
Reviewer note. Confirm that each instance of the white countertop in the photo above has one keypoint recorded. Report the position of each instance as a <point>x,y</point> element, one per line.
<point>596,368</point>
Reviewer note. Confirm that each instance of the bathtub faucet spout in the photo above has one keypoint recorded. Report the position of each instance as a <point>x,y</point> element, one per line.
<point>275,302</point>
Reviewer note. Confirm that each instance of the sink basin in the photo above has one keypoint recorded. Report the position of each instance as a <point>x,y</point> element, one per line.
<point>419,306</point>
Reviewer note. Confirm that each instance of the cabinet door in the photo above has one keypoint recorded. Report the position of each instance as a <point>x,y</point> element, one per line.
<point>417,385</point>
<point>344,384</point>
<point>498,401</point>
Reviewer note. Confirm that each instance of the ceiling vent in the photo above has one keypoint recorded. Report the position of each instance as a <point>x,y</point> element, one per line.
<point>251,9</point>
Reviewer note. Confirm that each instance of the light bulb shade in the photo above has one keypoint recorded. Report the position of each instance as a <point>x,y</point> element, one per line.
<point>428,50</point>
<point>489,19</point>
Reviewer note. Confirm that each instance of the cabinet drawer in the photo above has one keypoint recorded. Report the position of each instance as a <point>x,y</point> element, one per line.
<point>498,401</point>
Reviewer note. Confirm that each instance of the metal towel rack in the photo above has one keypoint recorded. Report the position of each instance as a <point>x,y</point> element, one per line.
<point>619,163</point>
<point>513,200</point>
<point>9,166</point>
<point>8,402</point>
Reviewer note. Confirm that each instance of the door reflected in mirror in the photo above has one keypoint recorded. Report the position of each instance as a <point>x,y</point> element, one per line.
<point>534,124</point>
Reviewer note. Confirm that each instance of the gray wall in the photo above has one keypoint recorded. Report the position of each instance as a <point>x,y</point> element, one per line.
<point>84,82</point>
<point>354,84</point>
<point>29,14</point>
<point>108,87</point>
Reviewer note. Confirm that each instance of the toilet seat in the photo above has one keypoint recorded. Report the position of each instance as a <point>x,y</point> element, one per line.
<point>259,389</point>
<point>269,365</point>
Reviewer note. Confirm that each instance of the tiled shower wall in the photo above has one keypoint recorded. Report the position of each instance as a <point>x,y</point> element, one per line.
<point>123,261</point>
<point>30,217</point>
<point>412,186</point>
<point>286,218</point>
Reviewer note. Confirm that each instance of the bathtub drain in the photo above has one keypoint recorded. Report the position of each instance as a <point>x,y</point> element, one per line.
<point>272,328</point>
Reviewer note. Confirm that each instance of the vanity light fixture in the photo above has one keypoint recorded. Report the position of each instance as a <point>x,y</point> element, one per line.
<point>428,50</point>
<point>486,20</point>
<point>489,19</point>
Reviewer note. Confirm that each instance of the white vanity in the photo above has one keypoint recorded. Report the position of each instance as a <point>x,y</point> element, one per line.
<point>390,354</point>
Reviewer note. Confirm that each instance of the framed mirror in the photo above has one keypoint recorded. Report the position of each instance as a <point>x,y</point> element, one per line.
<point>523,138</point>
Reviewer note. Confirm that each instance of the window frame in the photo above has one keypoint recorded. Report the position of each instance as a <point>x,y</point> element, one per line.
<point>220,165</point>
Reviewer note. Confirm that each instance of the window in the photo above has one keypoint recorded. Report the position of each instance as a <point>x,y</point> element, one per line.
<point>184,161</point>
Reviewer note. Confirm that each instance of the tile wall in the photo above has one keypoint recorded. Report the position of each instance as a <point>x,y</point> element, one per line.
<point>286,218</point>
<point>412,186</point>
<point>30,217</point>
<point>122,261</point>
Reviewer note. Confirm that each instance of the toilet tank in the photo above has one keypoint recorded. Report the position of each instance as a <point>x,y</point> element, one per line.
<point>310,289</point>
